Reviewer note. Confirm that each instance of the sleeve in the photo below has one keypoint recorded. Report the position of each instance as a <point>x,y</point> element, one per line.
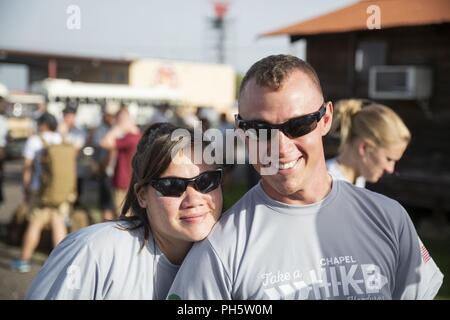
<point>77,138</point>
<point>32,145</point>
<point>70,272</point>
<point>202,276</point>
<point>417,275</point>
<point>98,135</point>
<point>3,131</point>
<point>83,137</point>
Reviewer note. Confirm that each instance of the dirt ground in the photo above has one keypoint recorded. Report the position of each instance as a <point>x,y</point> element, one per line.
<point>13,285</point>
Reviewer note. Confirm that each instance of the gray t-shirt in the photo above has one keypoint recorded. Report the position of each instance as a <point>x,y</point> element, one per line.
<point>104,262</point>
<point>32,150</point>
<point>354,244</point>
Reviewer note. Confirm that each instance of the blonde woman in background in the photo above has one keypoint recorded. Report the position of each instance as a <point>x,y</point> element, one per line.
<point>373,139</point>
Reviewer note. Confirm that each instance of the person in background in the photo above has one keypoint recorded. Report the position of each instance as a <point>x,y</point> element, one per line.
<point>122,138</point>
<point>373,139</point>
<point>40,109</point>
<point>104,160</point>
<point>3,142</point>
<point>76,136</point>
<point>40,215</point>
<point>224,124</point>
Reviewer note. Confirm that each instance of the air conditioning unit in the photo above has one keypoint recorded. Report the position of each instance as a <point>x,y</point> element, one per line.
<point>400,82</point>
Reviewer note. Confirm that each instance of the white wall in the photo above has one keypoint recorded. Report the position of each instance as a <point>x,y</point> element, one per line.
<point>14,76</point>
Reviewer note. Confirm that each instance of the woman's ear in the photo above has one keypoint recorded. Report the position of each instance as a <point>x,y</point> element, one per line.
<point>141,196</point>
<point>364,146</point>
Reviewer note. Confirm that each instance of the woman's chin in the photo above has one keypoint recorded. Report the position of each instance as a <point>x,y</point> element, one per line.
<point>197,233</point>
<point>197,236</point>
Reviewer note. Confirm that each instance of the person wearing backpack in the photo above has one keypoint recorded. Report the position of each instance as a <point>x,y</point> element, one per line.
<point>77,137</point>
<point>49,186</point>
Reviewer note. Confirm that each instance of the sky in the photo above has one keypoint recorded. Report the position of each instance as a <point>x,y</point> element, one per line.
<point>167,29</point>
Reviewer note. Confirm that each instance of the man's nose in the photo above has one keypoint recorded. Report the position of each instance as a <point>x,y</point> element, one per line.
<point>285,143</point>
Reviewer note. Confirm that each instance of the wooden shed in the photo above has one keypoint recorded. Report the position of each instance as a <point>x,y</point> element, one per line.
<point>351,55</point>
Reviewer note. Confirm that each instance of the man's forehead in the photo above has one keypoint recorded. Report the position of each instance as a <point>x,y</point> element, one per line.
<point>263,103</point>
<point>297,81</point>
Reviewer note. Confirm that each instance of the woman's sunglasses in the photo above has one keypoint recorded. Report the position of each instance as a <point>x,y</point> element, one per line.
<point>175,187</point>
<point>293,128</point>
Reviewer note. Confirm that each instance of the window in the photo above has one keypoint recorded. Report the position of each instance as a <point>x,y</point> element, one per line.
<point>368,54</point>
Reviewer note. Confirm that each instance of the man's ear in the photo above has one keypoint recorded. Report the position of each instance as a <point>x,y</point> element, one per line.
<point>327,118</point>
<point>141,196</point>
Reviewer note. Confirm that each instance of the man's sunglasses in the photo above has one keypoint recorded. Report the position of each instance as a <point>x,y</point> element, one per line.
<point>293,128</point>
<point>175,187</point>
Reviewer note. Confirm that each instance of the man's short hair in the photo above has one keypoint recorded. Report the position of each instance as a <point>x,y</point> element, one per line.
<point>70,108</point>
<point>273,70</point>
<point>49,120</point>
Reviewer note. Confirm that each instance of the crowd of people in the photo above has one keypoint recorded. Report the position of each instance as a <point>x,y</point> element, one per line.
<point>114,142</point>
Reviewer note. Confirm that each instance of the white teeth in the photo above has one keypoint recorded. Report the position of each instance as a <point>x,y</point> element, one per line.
<point>288,165</point>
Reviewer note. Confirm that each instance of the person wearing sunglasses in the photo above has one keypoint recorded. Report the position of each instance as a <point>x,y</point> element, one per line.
<point>300,233</point>
<point>170,204</point>
<point>372,139</point>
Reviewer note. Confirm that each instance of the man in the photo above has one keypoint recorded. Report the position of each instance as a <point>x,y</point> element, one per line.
<point>76,136</point>
<point>298,234</point>
<point>3,143</point>
<point>41,215</point>
<point>105,164</point>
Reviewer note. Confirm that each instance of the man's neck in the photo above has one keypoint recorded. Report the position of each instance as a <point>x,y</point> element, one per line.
<point>313,193</point>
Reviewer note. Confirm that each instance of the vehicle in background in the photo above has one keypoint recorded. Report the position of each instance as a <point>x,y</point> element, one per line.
<point>91,97</point>
<point>20,110</point>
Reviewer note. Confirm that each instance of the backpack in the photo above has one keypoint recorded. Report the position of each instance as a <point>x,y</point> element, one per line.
<point>59,173</point>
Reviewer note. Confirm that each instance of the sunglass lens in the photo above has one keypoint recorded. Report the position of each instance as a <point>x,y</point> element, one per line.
<point>208,181</point>
<point>300,128</point>
<point>171,187</point>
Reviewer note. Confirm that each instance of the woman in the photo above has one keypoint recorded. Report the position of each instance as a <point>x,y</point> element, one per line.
<point>171,203</point>
<point>373,139</point>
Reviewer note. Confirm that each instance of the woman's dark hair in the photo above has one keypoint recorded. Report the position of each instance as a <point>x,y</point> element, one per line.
<point>153,156</point>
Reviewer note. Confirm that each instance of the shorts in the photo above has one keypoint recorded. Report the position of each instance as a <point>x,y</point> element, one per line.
<point>44,215</point>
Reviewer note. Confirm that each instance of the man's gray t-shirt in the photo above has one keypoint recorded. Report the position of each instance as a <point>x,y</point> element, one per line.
<point>104,262</point>
<point>354,244</point>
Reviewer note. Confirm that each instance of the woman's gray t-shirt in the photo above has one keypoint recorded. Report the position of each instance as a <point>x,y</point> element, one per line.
<point>104,262</point>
